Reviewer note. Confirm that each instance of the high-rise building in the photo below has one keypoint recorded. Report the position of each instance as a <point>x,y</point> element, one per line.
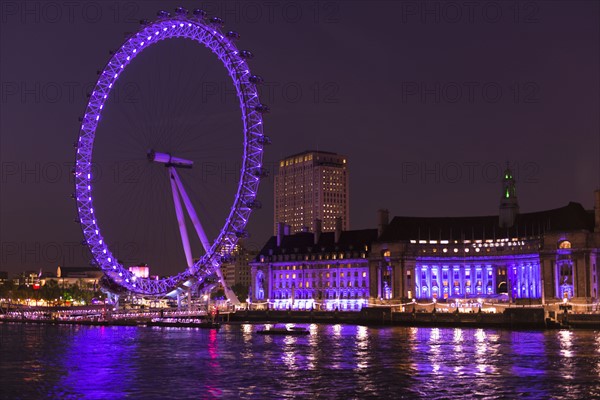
<point>312,188</point>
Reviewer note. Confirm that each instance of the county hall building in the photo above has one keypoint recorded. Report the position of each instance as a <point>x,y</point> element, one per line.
<point>531,258</point>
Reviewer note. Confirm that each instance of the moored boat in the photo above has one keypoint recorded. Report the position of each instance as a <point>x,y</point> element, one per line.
<point>283,331</point>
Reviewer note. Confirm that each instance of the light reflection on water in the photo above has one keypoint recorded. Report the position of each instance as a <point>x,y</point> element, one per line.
<point>334,361</point>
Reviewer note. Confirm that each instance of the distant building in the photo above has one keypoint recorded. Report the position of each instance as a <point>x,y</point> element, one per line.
<point>236,271</point>
<point>310,186</point>
<point>140,271</point>
<point>74,275</point>
<point>317,270</point>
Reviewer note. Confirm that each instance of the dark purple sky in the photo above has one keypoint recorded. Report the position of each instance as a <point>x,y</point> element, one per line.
<point>429,100</point>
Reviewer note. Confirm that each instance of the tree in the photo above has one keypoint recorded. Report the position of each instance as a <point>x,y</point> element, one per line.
<point>241,291</point>
<point>51,290</point>
<point>7,290</point>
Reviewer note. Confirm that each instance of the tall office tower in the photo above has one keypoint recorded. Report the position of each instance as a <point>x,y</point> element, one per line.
<point>312,186</point>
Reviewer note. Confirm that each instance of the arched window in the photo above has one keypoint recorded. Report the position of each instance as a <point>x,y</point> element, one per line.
<point>260,280</point>
<point>565,244</point>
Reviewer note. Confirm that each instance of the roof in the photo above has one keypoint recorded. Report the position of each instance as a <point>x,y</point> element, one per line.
<point>303,242</point>
<point>79,272</point>
<point>312,151</point>
<point>568,218</point>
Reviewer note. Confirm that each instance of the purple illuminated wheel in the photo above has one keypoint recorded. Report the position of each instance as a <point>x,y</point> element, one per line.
<point>208,33</point>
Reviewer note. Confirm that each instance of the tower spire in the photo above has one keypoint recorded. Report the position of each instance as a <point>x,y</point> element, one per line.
<point>509,205</point>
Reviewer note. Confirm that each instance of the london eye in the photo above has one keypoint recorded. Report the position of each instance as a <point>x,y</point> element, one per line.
<point>216,248</point>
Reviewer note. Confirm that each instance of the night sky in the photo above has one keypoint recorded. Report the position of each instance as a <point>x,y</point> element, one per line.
<point>429,101</point>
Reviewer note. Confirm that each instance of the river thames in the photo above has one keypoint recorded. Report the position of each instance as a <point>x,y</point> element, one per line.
<point>334,361</point>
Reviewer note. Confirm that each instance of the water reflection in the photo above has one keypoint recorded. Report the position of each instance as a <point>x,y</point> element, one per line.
<point>362,347</point>
<point>483,354</point>
<point>289,353</point>
<point>91,368</point>
<point>435,350</point>
<point>312,357</point>
<point>597,358</point>
<point>565,339</point>
<point>338,361</point>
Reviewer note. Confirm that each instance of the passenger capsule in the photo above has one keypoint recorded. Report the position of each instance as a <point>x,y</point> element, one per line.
<point>217,21</point>
<point>260,172</point>
<point>227,259</point>
<point>261,108</point>
<point>246,54</point>
<point>256,79</point>
<point>233,35</point>
<point>199,13</point>
<point>264,140</point>
<point>254,204</point>
<point>181,11</point>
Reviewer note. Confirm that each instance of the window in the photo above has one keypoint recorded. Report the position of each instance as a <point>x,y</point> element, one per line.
<point>565,244</point>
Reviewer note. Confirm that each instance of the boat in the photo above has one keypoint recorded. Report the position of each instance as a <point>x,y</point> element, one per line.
<point>183,323</point>
<point>283,331</point>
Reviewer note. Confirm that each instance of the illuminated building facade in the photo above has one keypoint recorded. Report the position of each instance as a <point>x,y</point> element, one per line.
<point>311,186</point>
<point>538,257</point>
<point>320,270</point>
<point>140,271</point>
<point>525,258</point>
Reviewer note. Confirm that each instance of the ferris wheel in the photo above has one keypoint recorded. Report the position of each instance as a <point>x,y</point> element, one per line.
<point>208,32</point>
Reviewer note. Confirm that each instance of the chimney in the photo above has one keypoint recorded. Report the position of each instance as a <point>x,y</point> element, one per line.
<point>318,229</point>
<point>287,229</point>
<point>338,229</point>
<point>597,211</point>
<point>280,233</point>
<point>383,220</point>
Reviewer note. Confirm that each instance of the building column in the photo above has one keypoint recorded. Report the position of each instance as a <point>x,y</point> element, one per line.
<point>379,282</point>
<point>409,284</point>
<point>398,280</point>
<point>252,283</point>
<point>509,282</point>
